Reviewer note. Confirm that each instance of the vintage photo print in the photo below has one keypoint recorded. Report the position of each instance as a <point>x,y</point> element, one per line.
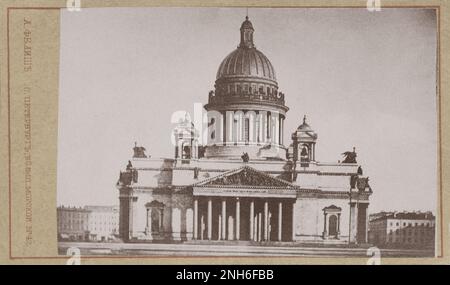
<point>247,132</point>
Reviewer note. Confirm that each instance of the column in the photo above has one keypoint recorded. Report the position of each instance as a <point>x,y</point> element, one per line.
<point>252,216</point>
<point>230,234</point>
<point>324,233</point>
<point>338,225</point>
<point>293,221</point>
<point>131,218</point>
<point>195,218</point>
<point>266,220</point>
<point>281,131</point>
<point>209,218</point>
<point>255,227</point>
<point>279,128</point>
<point>251,127</point>
<point>314,151</point>
<point>276,129</point>
<point>176,223</point>
<point>257,127</point>
<point>224,126</point>
<point>219,227</point>
<point>235,128</point>
<point>196,149</point>
<point>353,222</point>
<point>230,125</point>
<point>264,127</point>
<point>181,150</point>
<point>161,219</point>
<point>259,227</point>
<point>269,228</point>
<point>261,128</point>
<point>367,223</point>
<point>238,219</point>
<point>280,219</point>
<point>240,132</point>
<point>361,231</point>
<point>224,219</point>
<point>202,227</point>
<point>148,225</point>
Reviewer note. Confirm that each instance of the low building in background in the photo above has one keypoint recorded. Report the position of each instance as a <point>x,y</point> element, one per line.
<point>89,223</point>
<point>402,229</point>
<point>73,223</point>
<point>103,222</point>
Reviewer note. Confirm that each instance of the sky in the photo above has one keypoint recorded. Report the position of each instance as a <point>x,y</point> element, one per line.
<point>364,79</point>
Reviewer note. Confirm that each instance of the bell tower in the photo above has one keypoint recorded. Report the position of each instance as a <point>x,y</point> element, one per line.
<point>186,140</point>
<point>304,144</point>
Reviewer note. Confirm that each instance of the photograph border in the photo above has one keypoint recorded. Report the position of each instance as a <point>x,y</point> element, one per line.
<point>440,237</point>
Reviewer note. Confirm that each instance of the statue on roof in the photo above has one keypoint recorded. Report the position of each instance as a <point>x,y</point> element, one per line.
<point>245,157</point>
<point>139,151</point>
<point>129,165</point>
<point>363,183</point>
<point>360,171</point>
<point>350,156</point>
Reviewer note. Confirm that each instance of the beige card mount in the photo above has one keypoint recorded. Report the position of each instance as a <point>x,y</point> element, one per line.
<point>224,132</point>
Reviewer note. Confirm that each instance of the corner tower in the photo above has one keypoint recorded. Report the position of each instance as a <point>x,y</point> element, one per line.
<point>304,143</point>
<point>246,111</point>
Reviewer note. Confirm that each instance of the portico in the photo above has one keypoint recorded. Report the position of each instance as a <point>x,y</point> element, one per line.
<point>226,208</point>
<point>252,219</point>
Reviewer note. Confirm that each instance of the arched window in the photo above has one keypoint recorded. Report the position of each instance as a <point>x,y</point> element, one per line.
<point>155,218</point>
<point>331,222</point>
<point>304,151</point>
<point>304,154</point>
<point>332,225</point>
<point>186,151</point>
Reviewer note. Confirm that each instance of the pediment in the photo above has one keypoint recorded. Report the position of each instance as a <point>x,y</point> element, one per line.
<point>245,176</point>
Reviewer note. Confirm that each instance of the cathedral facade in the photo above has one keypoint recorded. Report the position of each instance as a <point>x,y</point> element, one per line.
<point>246,183</point>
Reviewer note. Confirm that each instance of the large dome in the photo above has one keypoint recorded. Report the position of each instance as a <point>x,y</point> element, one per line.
<point>246,62</point>
<point>246,77</point>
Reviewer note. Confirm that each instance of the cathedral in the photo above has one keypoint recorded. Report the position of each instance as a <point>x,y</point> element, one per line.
<point>245,183</point>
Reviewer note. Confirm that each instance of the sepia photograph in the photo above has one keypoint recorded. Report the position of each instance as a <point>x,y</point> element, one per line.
<point>189,131</point>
